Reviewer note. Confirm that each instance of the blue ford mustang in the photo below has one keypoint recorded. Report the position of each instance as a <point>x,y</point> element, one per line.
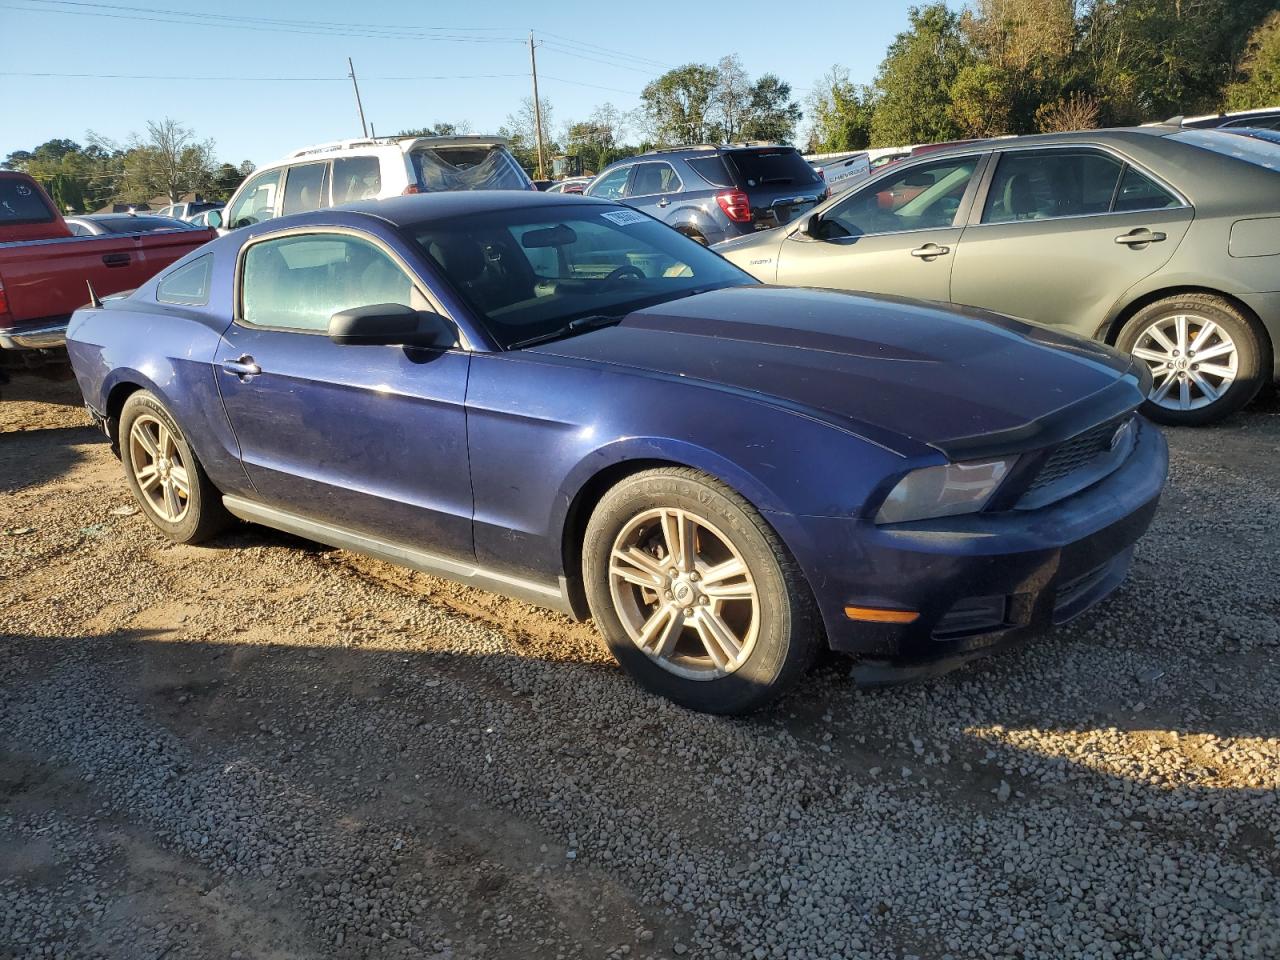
<point>564,400</point>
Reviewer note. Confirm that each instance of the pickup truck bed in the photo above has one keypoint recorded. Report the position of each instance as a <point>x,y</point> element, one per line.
<point>45,272</point>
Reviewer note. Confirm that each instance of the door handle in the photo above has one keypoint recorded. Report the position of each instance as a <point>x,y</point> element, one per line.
<point>664,202</point>
<point>242,368</point>
<point>929,251</point>
<point>1139,237</point>
<point>116,259</point>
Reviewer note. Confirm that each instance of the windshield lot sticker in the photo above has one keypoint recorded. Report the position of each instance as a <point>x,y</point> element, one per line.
<point>624,217</point>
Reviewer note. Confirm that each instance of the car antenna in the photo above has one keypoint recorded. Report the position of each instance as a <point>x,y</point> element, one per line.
<point>94,300</point>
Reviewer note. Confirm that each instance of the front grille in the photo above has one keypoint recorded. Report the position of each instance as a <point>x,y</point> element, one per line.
<point>1075,454</point>
<point>1080,462</point>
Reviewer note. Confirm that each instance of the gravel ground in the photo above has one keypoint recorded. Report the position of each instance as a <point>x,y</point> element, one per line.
<point>263,748</point>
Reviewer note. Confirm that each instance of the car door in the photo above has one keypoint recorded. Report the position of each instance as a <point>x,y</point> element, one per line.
<point>370,438</point>
<point>897,235</point>
<point>1062,232</point>
<point>652,188</point>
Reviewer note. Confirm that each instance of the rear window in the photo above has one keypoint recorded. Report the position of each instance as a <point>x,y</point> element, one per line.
<point>445,169</point>
<point>1260,150</point>
<point>772,168</point>
<point>21,203</point>
<point>712,170</point>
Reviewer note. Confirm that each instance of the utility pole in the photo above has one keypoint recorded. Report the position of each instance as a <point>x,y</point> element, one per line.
<point>364,128</point>
<point>537,106</point>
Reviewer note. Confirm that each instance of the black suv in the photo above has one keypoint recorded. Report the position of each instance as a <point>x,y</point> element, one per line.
<point>712,193</point>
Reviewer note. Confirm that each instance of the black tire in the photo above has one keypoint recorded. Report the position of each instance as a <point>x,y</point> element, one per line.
<point>787,635</point>
<point>1253,355</point>
<point>694,235</point>
<point>204,515</point>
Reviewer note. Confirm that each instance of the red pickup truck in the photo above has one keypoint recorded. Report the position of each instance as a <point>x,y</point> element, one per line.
<point>44,270</point>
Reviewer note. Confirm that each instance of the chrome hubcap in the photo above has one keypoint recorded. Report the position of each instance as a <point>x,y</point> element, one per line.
<point>158,468</point>
<point>1192,359</point>
<point>684,594</point>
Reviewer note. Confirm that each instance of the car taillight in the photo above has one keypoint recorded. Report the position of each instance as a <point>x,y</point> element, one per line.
<point>736,205</point>
<point>410,189</point>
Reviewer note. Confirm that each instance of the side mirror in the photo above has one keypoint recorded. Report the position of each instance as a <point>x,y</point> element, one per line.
<point>391,324</point>
<point>812,227</point>
<point>214,219</point>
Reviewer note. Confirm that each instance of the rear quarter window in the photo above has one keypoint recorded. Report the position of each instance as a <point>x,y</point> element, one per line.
<point>712,170</point>
<point>21,203</point>
<point>188,285</point>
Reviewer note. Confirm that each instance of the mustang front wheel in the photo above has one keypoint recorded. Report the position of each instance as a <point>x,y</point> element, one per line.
<point>695,594</point>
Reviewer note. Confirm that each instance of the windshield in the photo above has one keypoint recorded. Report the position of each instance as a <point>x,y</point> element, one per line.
<point>467,168</point>
<point>141,224</point>
<point>526,273</point>
<point>780,167</point>
<point>1251,148</point>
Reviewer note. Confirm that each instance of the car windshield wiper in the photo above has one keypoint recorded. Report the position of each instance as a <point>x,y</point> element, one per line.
<point>580,325</point>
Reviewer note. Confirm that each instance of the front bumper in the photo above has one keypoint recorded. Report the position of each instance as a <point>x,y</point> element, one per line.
<point>47,336</point>
<point>984,581</point>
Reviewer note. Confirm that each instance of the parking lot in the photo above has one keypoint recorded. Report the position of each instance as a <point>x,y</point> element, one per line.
<point>264,748</point>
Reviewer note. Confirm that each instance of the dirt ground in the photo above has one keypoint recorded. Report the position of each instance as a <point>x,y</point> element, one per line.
<point>265,748</point>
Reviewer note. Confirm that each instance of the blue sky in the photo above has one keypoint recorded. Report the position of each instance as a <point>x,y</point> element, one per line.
<point>411,58</point>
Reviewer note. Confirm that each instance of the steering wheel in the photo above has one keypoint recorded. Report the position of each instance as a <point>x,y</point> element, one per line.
<point>625,272</point>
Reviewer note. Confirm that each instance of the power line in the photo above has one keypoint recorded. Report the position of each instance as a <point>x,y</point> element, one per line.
<point>606,50</point>
<point>229,79</point>
<point>318,28</point>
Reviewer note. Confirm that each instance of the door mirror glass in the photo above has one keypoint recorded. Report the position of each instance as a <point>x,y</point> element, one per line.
<point>391,324</point>
<point>214,218</point>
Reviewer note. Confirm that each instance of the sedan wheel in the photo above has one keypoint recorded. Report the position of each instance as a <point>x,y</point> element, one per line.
<point>694,592</point>
<point>684,594</point>
<point>158,468</point>
<point>1206,357</point>
<point>1192,359</point>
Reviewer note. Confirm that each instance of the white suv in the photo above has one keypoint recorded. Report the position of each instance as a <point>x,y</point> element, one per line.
<point>345,171</point>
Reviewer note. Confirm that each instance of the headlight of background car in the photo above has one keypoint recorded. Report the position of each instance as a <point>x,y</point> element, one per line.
<point>943,491</point>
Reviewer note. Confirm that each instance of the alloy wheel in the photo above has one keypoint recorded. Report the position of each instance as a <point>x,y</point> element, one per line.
<point>1193,360</point>
<point>684,594</point>
<point>159,469</point>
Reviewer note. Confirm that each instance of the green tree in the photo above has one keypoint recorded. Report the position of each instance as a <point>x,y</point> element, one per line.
<point>982,102</point>
<point>522,130</point>
<point>679,105</point>
<point>598,140</point>
<point>1150,59</point>
<point>914,84</point>
<point>1257,82</point>
<point>772,114</point>
<point>841,112</point>
<point>438,130</point>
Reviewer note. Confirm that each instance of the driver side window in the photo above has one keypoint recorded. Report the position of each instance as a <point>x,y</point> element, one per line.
<point>257,201</point>
<point>611,185</point>
<point>922,197</point>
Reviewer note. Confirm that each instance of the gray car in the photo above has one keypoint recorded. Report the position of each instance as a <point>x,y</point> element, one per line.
<point>1162,241</point>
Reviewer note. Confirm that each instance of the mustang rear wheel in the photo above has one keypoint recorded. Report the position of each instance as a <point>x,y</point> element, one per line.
<point>695,594</point>
<point>1205,358</point>
<point>166,477</point>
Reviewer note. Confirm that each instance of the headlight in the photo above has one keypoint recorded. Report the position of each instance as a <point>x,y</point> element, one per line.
<point>943,491</point>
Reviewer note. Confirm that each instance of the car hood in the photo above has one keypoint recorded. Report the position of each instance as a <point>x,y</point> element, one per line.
<point>898,372</point>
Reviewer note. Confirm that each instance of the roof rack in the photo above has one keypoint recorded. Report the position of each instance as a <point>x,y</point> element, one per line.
<point>335,145</point>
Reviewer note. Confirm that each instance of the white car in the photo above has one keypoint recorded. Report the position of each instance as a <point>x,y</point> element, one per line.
<point>345,171</point>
